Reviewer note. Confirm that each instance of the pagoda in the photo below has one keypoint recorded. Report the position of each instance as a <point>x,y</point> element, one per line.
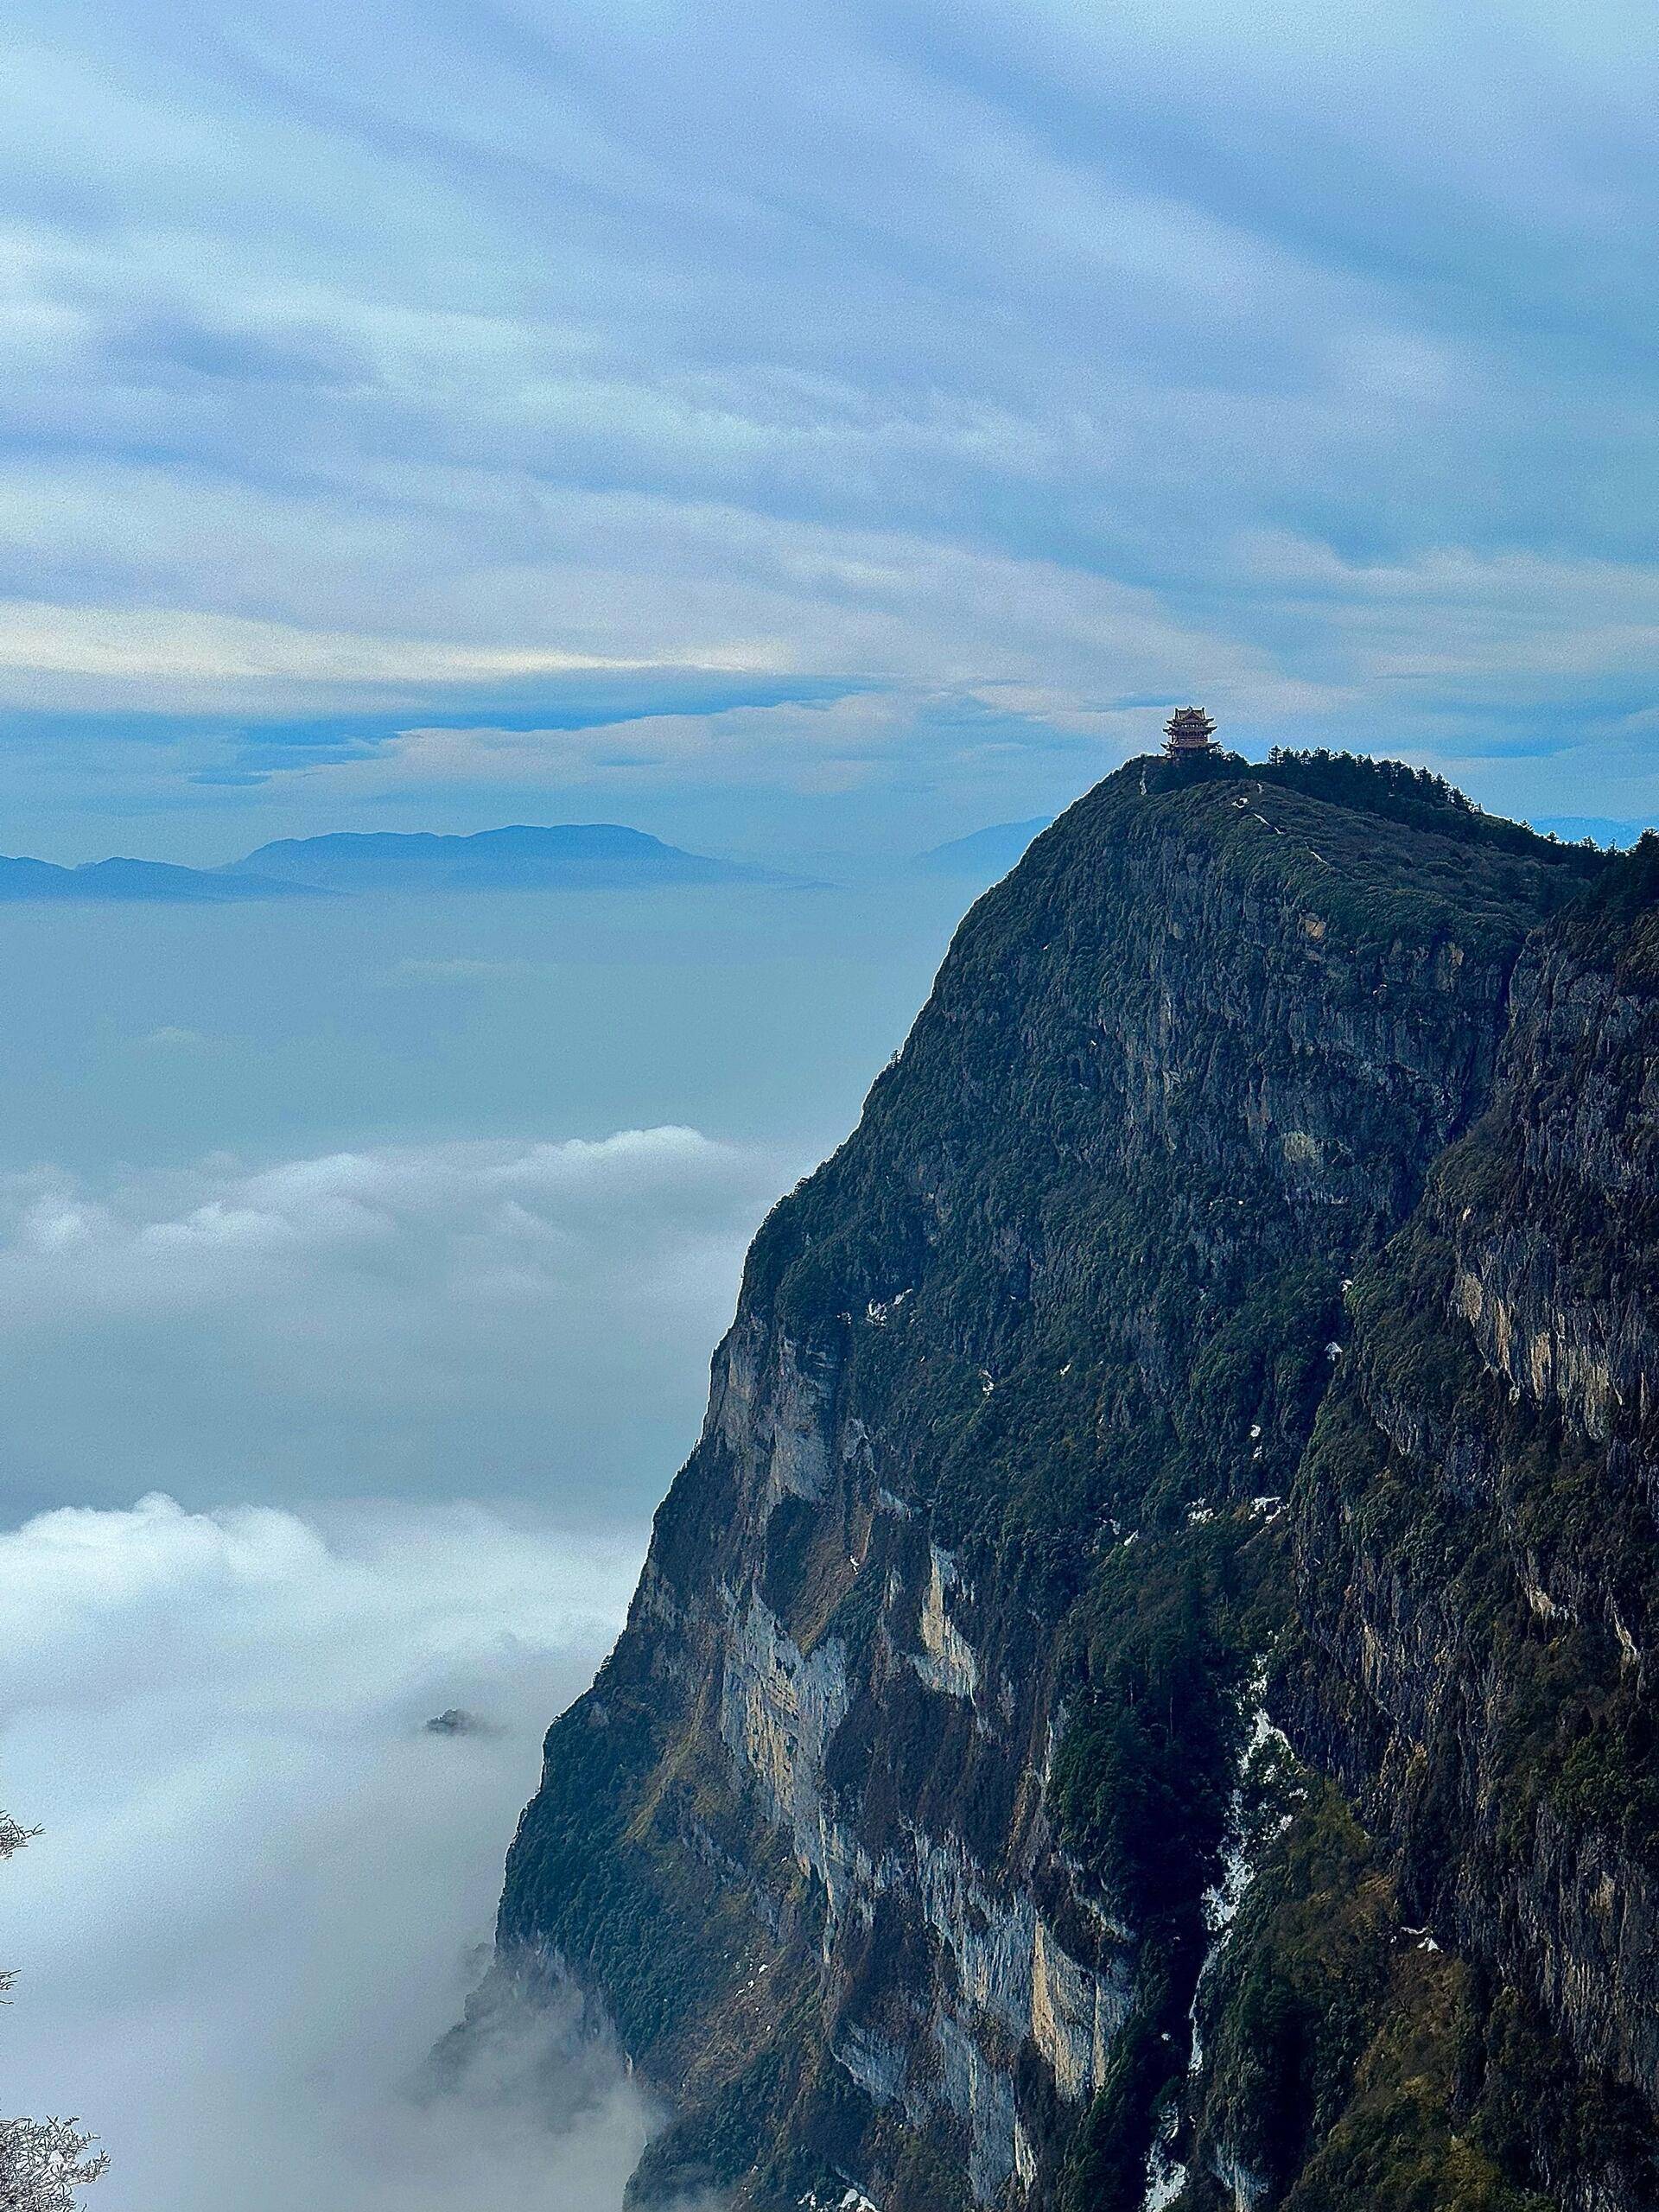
<point>1189,734</point>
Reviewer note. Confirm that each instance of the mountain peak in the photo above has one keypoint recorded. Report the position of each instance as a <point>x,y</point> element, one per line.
<point>590,856</point>
<point>1188,1439</point>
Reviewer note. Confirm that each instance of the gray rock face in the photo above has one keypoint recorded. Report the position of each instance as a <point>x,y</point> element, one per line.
<point>1487,1650</point>
<point>1061,1315</point>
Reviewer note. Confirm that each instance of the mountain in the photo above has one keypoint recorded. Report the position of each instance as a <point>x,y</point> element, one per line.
<point>116,881</point>
<point>984,855</point>
<point>1139,1696</point>
<point>572,857</point>
<point>593,857</point>
<point>1600,829</point>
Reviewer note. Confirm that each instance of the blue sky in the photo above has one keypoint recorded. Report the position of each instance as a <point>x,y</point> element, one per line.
<point>791,429</point>
<point>800,427</point>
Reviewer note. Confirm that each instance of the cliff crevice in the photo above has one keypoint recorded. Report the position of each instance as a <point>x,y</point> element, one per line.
<point>1240,1279</point>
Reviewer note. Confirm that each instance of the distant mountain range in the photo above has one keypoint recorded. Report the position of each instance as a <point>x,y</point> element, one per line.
<point>586,856</point>
<point>597,856</point>
<point>115,881</point>
<point>566,856</point>
<point>1602,829</point>
<point>987,854</point>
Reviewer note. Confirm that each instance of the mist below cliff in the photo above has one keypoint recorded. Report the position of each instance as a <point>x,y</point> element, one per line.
<point>327,1202</point>
<point>265,1881</point>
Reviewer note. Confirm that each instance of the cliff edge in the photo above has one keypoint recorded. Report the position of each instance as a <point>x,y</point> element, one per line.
<point>1139,1695</point>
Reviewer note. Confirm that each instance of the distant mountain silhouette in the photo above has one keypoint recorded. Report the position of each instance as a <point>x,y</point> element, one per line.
<point>600,855</point>
<point>593,856</point>
<point>116,881</point>
<point>987,854</point>
<point>1572,828</point>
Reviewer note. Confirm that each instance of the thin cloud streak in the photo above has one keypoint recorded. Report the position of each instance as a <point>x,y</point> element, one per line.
<point>915,352</point>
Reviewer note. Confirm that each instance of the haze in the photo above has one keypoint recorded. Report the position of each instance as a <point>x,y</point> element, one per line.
<point>805,433</point>
<point>361,1266</point>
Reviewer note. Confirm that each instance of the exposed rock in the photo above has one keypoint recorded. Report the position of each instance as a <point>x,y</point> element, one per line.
<point>1199,1338</point>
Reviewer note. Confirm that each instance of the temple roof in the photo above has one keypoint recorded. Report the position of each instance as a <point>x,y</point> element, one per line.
<point>1189,729</point>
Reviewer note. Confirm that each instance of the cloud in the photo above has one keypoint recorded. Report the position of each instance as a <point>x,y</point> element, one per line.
<point>181,649</point>
<point>264,1886</point>
<point>461,971</point>
<point>475,1318</point>
<point>172,1036</point>
<point>929,352</point>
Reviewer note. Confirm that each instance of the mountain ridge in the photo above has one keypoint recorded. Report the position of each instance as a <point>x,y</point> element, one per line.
<point>123,881</point>
<point>1124,1708</point>
<point>591,856</point>
<point>570,855</point>
<point>989,852</point>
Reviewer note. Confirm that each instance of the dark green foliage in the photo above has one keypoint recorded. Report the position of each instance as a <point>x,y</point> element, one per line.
<point>1351,2063</point>
<point>1389,787</point>
<point>1616,925</point>
<point>1533,2099</point>
<point>1291,2003</point>
<point>1418,798</point>
<point>1106,2167</point>
<point>1143,1774</point>
<point>1570,1721</point>
<point>1133,1242</point>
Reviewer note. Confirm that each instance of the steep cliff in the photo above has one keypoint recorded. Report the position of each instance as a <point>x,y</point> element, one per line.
<point>1138,1694</point>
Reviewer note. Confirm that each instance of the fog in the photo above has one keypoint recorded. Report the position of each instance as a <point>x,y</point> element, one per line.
<point>264,1883</point>
<point>156,1035</point>
<point>360,1269</point>
<point>420,1196</point>
<point>490,1318</point>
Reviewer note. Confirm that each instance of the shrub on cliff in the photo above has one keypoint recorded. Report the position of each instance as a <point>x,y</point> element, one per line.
<point>42,2162</point>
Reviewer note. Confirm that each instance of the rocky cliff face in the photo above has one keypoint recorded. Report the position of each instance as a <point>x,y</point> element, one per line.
<point>1172,1517</point>
<point>1474,1535</point>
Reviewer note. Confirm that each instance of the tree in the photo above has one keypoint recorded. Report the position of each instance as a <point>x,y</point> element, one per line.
<point>13,1838</point>
<point>42,2162</point>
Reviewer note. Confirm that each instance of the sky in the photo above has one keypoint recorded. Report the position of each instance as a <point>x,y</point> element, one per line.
<point>818,427</point>
<point>808,433</point>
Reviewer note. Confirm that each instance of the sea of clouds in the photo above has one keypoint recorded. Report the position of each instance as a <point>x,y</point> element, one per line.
<point>356,1441</point>
<point>265,1885</point>
<point>465,1319</point>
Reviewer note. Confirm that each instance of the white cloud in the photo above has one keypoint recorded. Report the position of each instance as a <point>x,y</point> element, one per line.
<point>92,653</point>
<point>172,1036</point>
<point>949,348</point>
<point>264,1885</point>
<point>185,646</point>
<point>453,1319</point>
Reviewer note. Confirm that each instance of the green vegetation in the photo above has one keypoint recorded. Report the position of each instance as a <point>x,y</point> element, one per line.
<point>1418,798</point>
<point>1143,1776</point>
<point>1569,1721</point>
<point>1142,1291</point>
<point>1356,2063</point>
<point>1106,2167</point>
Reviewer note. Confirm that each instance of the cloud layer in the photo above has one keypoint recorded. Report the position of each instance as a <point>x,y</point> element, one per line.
<point>466,1319</point>
<point>902,400</point>
<point>264,1883</point>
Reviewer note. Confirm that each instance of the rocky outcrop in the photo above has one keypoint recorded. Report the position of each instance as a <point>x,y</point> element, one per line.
<point>1475,1525</point>
<point>892,1836</point>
